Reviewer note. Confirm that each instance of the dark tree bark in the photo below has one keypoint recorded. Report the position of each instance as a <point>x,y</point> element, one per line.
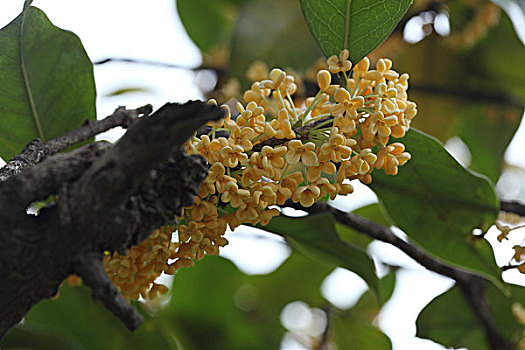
<point>109,197</point>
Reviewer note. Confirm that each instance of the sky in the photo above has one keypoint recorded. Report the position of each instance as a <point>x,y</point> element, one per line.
<point>151,30</point>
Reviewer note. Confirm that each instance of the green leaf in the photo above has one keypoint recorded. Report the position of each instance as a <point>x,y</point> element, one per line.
<point>354,329</point>
<point>487,130</point>
<point>352,332</point>
<point>26,336</point>
<point>280,39</point>
<point>47,82</point>
<point>449,319</point>
<point>202,302</point>
<point>438,203</point>
<point>234,310</point>
<point>357,25</point>
<point>81,323</point>
<point>316,236</point>
<point>209,23</point>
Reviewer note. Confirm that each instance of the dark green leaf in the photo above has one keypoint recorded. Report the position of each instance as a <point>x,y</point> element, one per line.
<point>449,319</point>
<point>209,23</point>
<point>272,31</point>
<point>353,328</point>
<point>47,82</point>
<point>82,323</point>
<point>357,25</point>
<point>203,303</point>
<point>352,332</point>
<point>237,311</point>
<point>316,236</point>
<point>438,203</point>
<point>26,336</point>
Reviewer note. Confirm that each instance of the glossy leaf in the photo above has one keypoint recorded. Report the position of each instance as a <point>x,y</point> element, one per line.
<point>81,323</point>
<point>357,25</point>
<point>273,31</point>
<point>316,236</point>
<point>449,319</point>
<point>438,203</point>
<point>209,23</point>
<point>47,82</point>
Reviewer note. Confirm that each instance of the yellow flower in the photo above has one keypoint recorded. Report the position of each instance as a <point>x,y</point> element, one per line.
<point>264,196</point>
<point>390,157</point>
<point>361,68</point>
<point>193,230</point>
<point>282,193</point>
<point>339,64</point>
<point>282,126</point>
<point>297,151</point>
<point>380,125</point>
<point>217,176</point>
<point>235,196</point>
<point>232,156</point>
<point>325,166</point>
<point>273,157</point>
<point>256,94</point>
<point>266,215</point>
<point>335,149</point>
<point>324,78</point>
<point>307,195</point>
<point>346,104</point>
<point>242,137</point>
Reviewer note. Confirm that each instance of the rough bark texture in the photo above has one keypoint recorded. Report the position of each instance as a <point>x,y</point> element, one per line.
<point>109,197</point>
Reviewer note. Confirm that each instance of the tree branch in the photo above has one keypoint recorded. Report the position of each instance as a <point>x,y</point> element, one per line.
<point>512,207</point>
<point>472,285</point>
<point>109,198</point>
<point>36,151</point>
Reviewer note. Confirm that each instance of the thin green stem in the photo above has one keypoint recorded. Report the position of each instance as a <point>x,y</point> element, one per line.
<point>293,105</point>
<point>356,87</point>
<point>314,103</point>
<point>281,98</point>
<point>363,89</point>
<point>270,103</point>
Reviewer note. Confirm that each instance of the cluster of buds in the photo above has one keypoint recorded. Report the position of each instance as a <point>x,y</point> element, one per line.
<point>277,149</point>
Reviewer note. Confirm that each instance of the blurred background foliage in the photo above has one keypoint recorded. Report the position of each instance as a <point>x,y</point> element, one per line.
<point>469,84</point>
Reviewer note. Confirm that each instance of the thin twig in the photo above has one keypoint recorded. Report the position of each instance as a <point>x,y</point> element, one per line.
<point>472,285</point>
<point>36,151</point>
<point>512,207</point>
<point>153,63</point>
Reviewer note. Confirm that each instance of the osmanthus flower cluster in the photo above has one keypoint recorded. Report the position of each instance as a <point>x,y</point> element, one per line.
<point>274,149</point>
